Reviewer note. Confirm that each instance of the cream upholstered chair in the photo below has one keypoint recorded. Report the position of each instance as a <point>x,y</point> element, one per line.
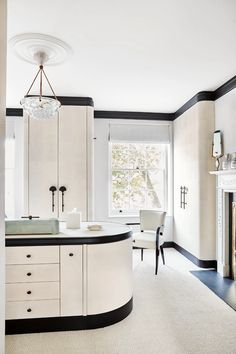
<point>151,233</point>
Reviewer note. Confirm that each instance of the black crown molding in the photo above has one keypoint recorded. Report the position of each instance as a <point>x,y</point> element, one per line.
<point>88,101</point>
<point>65,101</point>
<point>200,96</point>
<point>133,115</point>
<point>14,112</point>
<point>225,88</point>
<point>75,101</point>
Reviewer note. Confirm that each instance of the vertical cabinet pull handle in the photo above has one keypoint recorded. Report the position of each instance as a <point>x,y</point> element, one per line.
<point>53,190</point>
<point>62,189</point>
<point>183,192</point>
<point>181,197</point>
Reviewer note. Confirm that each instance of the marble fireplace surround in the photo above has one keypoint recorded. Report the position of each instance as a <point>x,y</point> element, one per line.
<point>226,183</point>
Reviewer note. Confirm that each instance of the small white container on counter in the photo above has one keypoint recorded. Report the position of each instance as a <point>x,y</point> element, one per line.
<point>74,219</point>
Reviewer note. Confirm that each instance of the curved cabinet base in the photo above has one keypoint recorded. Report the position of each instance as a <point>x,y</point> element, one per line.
<point>72,323</point>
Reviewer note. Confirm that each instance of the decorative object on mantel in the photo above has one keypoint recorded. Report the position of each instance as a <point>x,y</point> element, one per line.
<point>40,49</point>
<point>233,160</point>
<point>217,148</point>
<point>226,160</point>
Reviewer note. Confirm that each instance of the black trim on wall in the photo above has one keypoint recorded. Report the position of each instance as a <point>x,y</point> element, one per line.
<point>133,115</point>
<point>75,101</point>
<point>200,263</point>
<point>225,88</point>
<point>70,323</point>
<point>200,96</point>
<point>14,112</point>
<point>65,101</point>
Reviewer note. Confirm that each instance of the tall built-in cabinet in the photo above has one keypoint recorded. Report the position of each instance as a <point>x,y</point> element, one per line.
<point>194,222</point>
<point>59,164</point>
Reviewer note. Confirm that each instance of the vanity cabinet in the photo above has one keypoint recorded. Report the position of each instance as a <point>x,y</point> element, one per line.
<point>105,260</point>
<point>32,282</point>
<point>76,280</point>
<point>59,168</point>
<point>71,266</point>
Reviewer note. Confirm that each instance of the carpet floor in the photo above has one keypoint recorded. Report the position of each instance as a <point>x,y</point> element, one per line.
<point>174,313</point>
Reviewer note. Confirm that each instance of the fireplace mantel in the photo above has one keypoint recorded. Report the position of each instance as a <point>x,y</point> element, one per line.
<point>226,183</point>
<point>223,172</point>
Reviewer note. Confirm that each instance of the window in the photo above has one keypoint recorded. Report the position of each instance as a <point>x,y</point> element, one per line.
<point>138,177</point>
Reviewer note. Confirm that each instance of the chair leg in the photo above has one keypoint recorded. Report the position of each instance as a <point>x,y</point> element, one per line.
<point>141,254</point>
<point>157,258</point>
<point>162,254</point>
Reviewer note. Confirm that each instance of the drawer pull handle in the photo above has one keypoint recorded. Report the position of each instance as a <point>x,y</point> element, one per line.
<point>71,254</point>
<point>29,310</point>
<point>28,256</point>
<point>28,292</point>
<point>28,274</point>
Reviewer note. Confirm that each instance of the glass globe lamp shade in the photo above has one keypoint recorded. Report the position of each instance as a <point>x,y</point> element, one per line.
<point>40,107</point>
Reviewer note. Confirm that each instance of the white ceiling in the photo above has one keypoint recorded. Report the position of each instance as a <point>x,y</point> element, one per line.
<point>136,55</point>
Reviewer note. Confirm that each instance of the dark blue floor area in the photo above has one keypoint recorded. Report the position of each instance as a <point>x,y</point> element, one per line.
<point>225,288</point>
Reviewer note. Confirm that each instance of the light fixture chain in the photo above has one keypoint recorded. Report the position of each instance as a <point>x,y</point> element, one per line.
<point>41,83</point>
<point>49,84</point>
<point>33,82</point>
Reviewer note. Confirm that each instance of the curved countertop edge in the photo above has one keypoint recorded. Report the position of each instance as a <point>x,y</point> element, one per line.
<point>67,240</point>
<point>55,324</point>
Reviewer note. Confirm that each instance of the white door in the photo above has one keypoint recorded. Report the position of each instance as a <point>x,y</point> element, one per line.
<point>73,160</point>
<point>43,167</point>
<point>71,280</point>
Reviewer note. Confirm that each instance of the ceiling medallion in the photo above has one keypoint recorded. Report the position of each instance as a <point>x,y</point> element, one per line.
<point>40,49</point>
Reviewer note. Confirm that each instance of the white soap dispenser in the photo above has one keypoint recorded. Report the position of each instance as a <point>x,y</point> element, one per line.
<point>74,219</point>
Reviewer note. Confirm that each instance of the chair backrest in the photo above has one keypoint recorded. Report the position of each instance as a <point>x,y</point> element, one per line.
<point>151,219</point>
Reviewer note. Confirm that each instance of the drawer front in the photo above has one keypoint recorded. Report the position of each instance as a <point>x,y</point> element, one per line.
<point>32,273</point>
<point>32,255</point>
<point>32,291</point>
<point>32,309</point>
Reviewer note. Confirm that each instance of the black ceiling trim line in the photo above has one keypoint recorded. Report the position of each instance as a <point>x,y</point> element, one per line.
<point>14,112</point>
<point>225,88</point>
<point>200,96</point>
<point>74,101</point>
<point>133,115</point>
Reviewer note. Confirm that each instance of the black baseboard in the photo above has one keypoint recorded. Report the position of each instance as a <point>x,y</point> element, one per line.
<point>168,244</point>
<point>72,323</point>
<point>200,263</point>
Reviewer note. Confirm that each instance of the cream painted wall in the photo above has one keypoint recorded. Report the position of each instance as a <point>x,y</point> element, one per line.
<point>225,119</point>
<point>194,227</point>
<point>2,169</point>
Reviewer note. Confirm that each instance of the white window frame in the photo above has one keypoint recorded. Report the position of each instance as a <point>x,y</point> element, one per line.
<point>135,213</point>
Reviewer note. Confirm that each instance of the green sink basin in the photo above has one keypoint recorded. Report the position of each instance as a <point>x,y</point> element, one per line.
<point>32,227</point>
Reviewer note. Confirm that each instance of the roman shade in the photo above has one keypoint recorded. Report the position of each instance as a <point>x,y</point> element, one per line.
<point>140,133</point>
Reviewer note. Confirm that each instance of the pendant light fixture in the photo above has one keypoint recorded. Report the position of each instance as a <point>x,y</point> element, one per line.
<point>40,49</point>
<point>39,106</point>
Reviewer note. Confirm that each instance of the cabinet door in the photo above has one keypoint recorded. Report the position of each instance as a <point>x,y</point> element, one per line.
<point>71,281</point>
<point>109,276</point>
<point>42,166</point>
<point>73,159</point>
